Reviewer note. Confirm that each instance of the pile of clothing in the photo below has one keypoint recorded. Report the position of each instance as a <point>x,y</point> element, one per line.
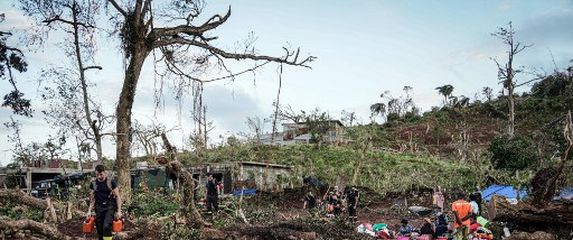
<point>377,230</point>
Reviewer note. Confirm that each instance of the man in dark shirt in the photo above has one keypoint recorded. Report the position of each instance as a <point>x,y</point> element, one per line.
<point>310,202</point>
<point>212,193</point>
<point>105,196</point>
<point>352,197</point>
<point>442,226</point>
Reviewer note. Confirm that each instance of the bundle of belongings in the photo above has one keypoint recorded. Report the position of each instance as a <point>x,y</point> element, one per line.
<point>377,230</point>
<point>478,230</point>
<point>482,234</point>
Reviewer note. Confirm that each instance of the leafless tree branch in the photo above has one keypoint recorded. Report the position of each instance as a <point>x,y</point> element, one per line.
<point>118,8</point>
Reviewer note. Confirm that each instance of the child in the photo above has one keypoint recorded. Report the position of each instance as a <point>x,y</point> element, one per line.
<point>405,228</point>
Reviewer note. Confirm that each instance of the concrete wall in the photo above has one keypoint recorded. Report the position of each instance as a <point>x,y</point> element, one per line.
<point>266,178</point>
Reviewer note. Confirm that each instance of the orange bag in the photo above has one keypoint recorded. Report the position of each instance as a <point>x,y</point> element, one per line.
<point>117,225</point>
<point>89,224</point>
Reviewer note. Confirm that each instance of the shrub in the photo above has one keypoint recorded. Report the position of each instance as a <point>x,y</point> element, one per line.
<point>152,204</point>
<point>515,153</point>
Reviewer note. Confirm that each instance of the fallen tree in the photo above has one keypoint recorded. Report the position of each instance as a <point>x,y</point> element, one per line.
<point>185,178</point>
<point>49,205</point>
<point>16,229</point>
<point>21,198</point>
<point>526,214</point>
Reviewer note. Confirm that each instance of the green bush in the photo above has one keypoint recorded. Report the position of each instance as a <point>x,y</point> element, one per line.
<point>152,204</point>
<point>515,153</point>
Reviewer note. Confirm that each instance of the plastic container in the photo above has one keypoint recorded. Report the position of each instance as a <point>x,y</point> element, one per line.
<point>117,225</point>
<point>89,224</point>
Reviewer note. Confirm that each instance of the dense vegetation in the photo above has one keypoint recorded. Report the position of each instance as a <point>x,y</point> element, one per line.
<point>455,146</point>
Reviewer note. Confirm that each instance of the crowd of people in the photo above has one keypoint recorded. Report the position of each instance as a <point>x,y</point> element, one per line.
<point>462,220</point>
<point>334,203</point>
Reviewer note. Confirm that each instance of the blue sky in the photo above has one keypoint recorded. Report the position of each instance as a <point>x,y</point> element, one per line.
<point>363,49</point>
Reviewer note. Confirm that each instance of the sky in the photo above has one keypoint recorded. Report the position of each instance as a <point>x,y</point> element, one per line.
<point>363,48</point>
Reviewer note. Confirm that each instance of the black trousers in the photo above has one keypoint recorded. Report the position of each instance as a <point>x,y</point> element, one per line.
<point>212,202</point>
<point>104,219</point>
<point>351,212</point>
<point>337,211</point>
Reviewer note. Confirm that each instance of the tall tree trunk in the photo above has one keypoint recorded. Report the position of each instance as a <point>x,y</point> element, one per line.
<point>274,131</point>
<point>99,150</point>
<point>81,70</point>
<point>204,127</point>
<point>184,177</point>
<point>511,102</point>
<point>510,85</point>
<point>123,114</point>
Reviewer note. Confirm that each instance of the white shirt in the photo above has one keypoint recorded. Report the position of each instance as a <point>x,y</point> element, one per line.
<point>475,207</point>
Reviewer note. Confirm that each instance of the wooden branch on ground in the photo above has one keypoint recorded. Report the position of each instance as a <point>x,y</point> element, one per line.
<point>48,231</point>
<point>51,210</point>
<point>20,197</point>
<point>524,213</point>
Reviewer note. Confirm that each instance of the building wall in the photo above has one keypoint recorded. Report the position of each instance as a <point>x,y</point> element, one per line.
<point>266,178</point>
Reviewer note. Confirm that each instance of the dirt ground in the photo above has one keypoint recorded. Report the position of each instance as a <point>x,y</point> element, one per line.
<point>73,228</point>
<point>373,208</point>
<point>280,216</point>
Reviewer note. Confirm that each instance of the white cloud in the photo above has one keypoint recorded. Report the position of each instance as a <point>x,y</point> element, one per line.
<point>505,5</point>
<point>15,20</point>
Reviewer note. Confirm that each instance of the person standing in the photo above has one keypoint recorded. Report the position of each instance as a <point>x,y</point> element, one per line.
<point>212,193</point>
<point>310,203</point>
<point>477,198</point>
<point>462,211</point>
<point>438,198</point>
<point>442,227</point>
<point>107,201</point>
<point>476,211</point>
<point>352,197</point>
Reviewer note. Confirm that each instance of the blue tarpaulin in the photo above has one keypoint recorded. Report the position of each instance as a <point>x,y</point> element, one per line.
<point>565,194</point>
<point>245,192</point>
<point>506,191</point>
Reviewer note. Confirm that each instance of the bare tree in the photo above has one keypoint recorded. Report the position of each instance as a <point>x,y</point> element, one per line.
<point>77,19</point>
<point>395,107</point>
<point>256,124</point>
<point>139,22</point>
<point>277,104</point>
<point>34,153</point>
<point>506,72</point>
<point>287,113</point>
<point>348,118</point>
<point>488,93</point>
<point>149,136</point>
<point>18,148</point>
<point>199,136</point>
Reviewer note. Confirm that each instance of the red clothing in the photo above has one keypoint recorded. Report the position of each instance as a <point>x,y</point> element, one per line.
<point>474,227</point>
<point>463,208</point>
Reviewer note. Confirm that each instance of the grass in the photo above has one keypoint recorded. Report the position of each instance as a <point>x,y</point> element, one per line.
<point>380,171</point>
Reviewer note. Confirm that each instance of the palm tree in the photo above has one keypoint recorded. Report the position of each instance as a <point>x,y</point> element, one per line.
<point>462,102</point>
<point>446,91</point>
<point>378,109</point>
